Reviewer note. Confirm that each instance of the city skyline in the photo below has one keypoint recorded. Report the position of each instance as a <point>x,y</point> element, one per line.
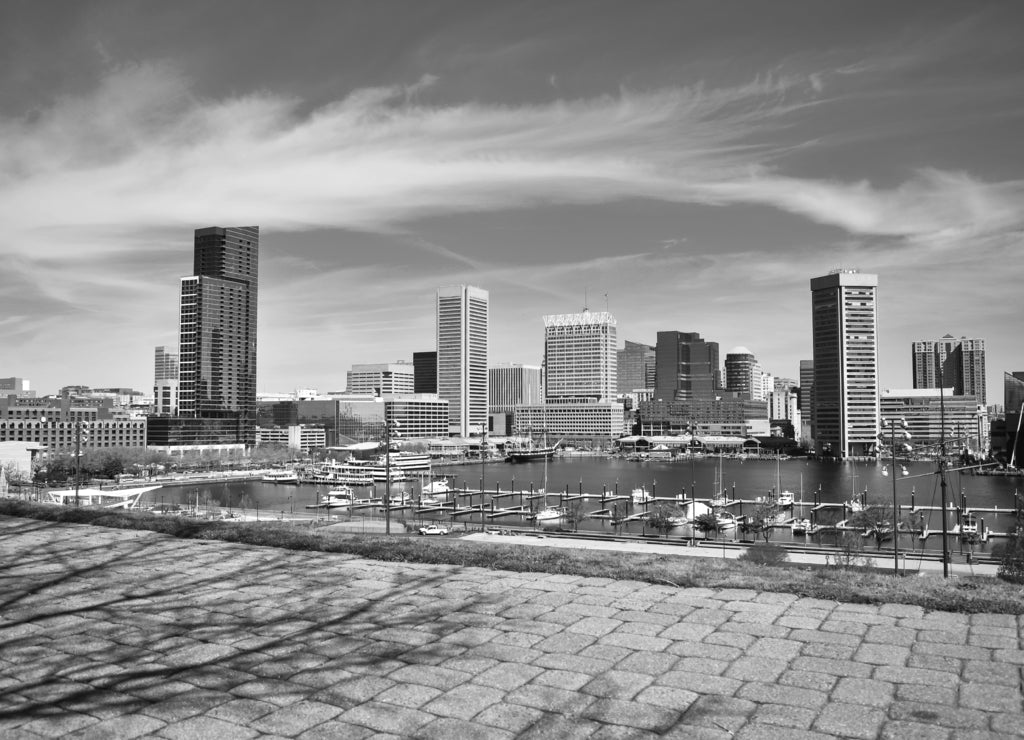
<point>686,166</point>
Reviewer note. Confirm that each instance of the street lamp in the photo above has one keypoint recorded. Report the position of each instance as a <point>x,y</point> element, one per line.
<point>902,423</point>
<point>388,425</point>
<point>78,457</point>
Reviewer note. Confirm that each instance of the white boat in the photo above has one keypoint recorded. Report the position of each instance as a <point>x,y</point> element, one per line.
<point>642,496</point>
<point>281,476</point>
<point>340,498</point>
<point>801,526</point>
<point>126,498</point>
<point>969,525</point>
<point>437,487</point>
<point>551,517</point>
<point>785,499</point>
<point>854,505</point>
<point>725,520</point>
<point>678,521</point>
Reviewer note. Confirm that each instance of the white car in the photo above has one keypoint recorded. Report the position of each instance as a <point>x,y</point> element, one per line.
<point>433,529</point>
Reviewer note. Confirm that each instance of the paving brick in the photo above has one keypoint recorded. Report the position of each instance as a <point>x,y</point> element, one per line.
<point>784,715</point>
<point>563,679</point>
<point>772,693</point>
<point>207,728</point>
<point>388,718</point>
<point>863,691</point>
<point>512,718</point>
<point>850,720</point>
<point>944,715</point>
<point>446,728</point>
<point>464,702</point>
<point>992,697</point>
<point>631,714</point>
<point>719,713</point>
<point>902,730</point>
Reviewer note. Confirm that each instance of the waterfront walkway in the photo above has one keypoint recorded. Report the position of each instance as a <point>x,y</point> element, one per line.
<point>115,634</point>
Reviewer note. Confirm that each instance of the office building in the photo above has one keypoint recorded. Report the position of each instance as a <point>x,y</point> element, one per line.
<point>216,343</point>
<point>1012,434</point>
<point>686,367</point>
<point>952,363</point>
<point>579,357</point>
<point>61,423</point>
<point>578,423</point>
<point>511,385</point>
<point>424,372</point>
<point>923,410</point>
<point>381,379</point>
<point>165,382</point>
<point>635,367</point>
<point>844,334</point>
<point>462,345</point>
<point>19,387</point>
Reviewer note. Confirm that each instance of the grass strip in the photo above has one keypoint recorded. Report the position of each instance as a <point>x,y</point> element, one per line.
<point>974,594</point>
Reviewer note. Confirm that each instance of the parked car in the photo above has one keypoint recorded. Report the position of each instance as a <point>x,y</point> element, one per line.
<point>433,529</point>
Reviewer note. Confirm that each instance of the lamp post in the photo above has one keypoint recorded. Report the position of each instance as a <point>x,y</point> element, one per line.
<point>895,506</point>
<point>387,470</point>
<point>78,457</point>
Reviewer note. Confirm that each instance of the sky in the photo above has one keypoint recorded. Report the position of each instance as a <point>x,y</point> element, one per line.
<point>687,165</point>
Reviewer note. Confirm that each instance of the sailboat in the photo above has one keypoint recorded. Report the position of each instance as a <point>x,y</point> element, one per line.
<point>550,517</point>
<point>784,498</point>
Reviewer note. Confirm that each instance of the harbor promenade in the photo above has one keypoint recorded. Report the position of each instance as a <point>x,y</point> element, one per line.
<point>117,634</point>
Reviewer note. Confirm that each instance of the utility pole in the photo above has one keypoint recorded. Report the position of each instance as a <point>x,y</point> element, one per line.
<point>78,458</point>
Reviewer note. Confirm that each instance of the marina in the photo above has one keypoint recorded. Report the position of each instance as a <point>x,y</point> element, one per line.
<point>616,496</point>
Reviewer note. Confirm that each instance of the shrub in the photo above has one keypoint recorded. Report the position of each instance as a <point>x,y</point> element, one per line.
<point>765,555</point>
<point>1011,568</point>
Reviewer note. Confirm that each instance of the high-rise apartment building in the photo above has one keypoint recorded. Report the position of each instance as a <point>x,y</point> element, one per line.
<point>462,328</point>
<point>954,363</point>
<point>165,382</point>
<point>513,385</point>
<point>217,334</point>
<point>687,367</point>
<point>844,329</point>
<point>381,379</point>
<point>635,366</point>
<point>743,374</point>
<point>424,372</point>
<point>579,357</point>
<point>16,387</point>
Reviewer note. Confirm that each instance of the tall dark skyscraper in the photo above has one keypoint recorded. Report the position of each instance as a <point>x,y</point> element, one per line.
<point>687,367</point>
<point>217,338</point>
<point>636,363</point>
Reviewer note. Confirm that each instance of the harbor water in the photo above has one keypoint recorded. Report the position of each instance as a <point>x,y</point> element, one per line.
<point>991,498</point>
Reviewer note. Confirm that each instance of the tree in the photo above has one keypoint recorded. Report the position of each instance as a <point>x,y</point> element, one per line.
<point>876,519</point>
<point>849,552</point>
<point>760,521</point>
<point>663,518</point>
<point>706,523</point>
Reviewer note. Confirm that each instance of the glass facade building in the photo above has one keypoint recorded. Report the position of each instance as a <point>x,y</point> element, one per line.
<point>951,363</point>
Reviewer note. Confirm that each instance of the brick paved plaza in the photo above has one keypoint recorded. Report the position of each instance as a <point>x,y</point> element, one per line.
<point>116,634</point>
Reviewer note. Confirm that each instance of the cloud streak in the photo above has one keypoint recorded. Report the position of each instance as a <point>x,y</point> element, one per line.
<point>143,150</point>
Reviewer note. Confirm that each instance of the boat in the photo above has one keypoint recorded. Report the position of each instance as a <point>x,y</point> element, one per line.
<point>969,525</point>
<point>340,498</point>
<point>783,498</point>
<point>367,472</point>
<point>725,520</point>
<point>903,470</point>
<point>641,496</point>
<point>126,498</point>
<point>551,517</point>
<point>281,476</point>
<point>801,526</point>
<point>437,487</point>
<point>530,451</point>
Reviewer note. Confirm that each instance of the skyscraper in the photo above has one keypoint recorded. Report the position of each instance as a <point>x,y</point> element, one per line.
<point>960,363</point>
<point>462,327</point>
<point>687,367</point>
<point>217,337</point>
<point>635,367</point>
<point>579,357</point>
<point>844,332</point>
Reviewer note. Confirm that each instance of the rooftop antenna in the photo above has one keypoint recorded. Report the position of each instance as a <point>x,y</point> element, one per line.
<point>586,302</point>
<point>606,302</point>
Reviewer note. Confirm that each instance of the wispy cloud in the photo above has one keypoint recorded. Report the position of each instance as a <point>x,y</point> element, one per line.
<point>142,150</point>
